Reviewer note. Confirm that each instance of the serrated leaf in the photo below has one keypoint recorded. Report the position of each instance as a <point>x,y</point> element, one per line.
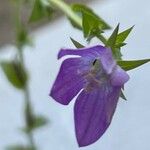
<point>40,11</point>
<point>122,95</point>
<point>112,39</point>
<point>76,44</point>
<point>132,64</point>
<point>84,9</point>
<point>15,73</point>
<point>123,35</point>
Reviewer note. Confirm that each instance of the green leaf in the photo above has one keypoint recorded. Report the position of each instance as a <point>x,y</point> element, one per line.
<point>76,44</point>
<point>112,39</point>
<point>90,25</point>
<point>37,122</point>
<point>15,73</point>
<point>123,35</point>
<point>40,11</point>
<point>18,147</point>
<point>87,27</point>
<point>122,95</point>
<point>132,64</point>
<point>80,8</point>
<point>32,121</point>
<point>40,121</point>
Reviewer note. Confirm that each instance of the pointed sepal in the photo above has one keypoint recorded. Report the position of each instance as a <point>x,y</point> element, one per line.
<point>76,43</point>
<point>131,64</point>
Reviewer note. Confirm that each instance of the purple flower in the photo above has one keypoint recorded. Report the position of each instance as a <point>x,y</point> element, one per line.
<point>97,79</point>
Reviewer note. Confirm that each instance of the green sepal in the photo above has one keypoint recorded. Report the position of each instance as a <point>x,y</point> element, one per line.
<point>117,54</point>
<point>122,95</point>
<point>15,73</point>
<point>112,39</point>
<point>123,35</point>
<point>116,41</point>
<point>131,64</point>
<point>40,11</point>
<point>76,44</point>
<point>119,45</point>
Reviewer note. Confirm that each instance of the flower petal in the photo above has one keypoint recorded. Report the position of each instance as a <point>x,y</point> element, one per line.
<point>91,51</point>
<point>96,52</point>
<point>107,60</point>
<point>119,77</point>
<point>69,81</point>
<point>93,113</point>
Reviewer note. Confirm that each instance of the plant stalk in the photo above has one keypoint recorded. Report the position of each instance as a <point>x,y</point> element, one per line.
<point>66,9</point>
<point>27,103</point>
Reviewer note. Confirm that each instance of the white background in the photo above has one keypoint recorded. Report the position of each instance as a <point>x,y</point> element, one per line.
<point>130,128</point>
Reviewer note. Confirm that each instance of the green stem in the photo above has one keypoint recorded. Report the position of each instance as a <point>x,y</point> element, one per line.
<point>26,89</point>
<point>30,137</point>
<point>66,9</point>
<point>27,104</point>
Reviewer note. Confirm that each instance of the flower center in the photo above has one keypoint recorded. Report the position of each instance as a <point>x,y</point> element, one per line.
<point>96,77</point>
